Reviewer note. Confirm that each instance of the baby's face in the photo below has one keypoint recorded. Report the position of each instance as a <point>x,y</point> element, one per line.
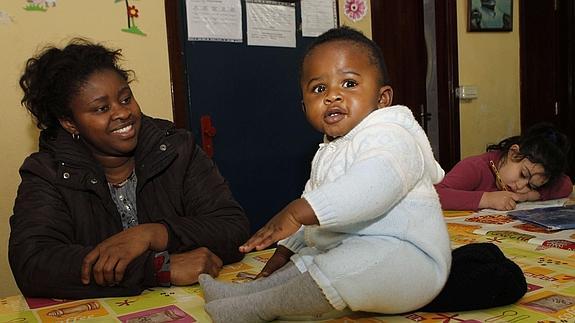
<point>340,87</point>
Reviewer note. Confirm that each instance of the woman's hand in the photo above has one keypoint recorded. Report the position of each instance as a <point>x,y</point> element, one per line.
<point>109,259</point>
<point>186,267</point>
<point>280,257</point>
<point>499,200</point>
<point>282,225</point>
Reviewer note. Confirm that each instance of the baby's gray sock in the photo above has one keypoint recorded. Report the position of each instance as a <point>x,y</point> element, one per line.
<point>214,289</point>
<point>299,296</point>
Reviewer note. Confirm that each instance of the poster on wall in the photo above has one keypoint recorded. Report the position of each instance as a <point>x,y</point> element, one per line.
<point>270,23</point>
<point>490,15</point>
<point>214,20</point>
<point>317,16</point>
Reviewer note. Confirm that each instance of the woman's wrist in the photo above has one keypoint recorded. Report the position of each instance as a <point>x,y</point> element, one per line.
<point>158,236</point>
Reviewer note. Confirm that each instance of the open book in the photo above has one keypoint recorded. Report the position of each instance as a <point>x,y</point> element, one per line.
<point>553,218</point>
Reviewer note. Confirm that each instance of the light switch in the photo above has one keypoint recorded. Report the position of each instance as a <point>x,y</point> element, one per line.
<point>466,92</point>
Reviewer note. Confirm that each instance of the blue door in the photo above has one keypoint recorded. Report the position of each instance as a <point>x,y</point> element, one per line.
<point>248,99</point>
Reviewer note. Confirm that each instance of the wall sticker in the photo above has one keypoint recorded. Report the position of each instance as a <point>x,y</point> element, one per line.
<point>131,14</point>
<point>39,5</point>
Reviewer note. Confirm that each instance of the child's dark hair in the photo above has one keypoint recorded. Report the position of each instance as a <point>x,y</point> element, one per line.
<point>541,144</point>
<point>53,76</point>
<point>345,33</point>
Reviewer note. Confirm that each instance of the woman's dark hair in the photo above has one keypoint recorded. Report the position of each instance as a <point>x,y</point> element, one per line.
<point>541,144</point>
<point>53,76</point>
<point>345,33</point>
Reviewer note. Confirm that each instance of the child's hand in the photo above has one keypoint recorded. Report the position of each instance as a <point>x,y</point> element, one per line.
<point>279,259</point>
<point>532,195</point>
<point>499,200</point>
<point>282,225</point>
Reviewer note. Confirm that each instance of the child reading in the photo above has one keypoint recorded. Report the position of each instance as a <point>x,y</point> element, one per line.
<point>368,232</point>
<point>520,168</point>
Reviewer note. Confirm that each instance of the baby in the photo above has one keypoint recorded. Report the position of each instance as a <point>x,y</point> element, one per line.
<point>368,232</point>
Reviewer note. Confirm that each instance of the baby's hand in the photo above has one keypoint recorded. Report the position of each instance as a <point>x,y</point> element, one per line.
<point>279,227</point>
<point>499,200</point>
<point>282,225</point>
<point>280,257</point>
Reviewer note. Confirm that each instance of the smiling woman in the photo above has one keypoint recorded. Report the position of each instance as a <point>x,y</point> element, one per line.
<point>114,201</point>
<point>109,119</point>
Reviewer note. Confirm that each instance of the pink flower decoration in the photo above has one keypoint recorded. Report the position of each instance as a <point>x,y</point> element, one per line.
<point>355,9</point>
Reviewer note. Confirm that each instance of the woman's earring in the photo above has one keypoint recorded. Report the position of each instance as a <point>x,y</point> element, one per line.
<point>303,106</point>
<point>76,136</point>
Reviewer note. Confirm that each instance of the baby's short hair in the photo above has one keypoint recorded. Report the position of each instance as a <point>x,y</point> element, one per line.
<point>345,33</point>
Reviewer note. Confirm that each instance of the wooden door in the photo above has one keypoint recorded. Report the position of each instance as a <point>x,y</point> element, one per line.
<point>420,50</point>
<point>547,36</point>
<point>402,42</point>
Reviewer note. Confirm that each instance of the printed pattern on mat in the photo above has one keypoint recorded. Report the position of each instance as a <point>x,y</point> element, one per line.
<point>546,258</point>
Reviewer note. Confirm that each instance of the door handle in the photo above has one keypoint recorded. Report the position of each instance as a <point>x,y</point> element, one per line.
<point>424,117</point>
<point>208,133</point>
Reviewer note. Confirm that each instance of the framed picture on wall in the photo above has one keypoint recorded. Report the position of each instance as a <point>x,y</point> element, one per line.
<point>490,15</point>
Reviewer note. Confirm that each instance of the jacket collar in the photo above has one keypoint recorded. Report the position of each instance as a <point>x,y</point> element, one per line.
<point>155,151</point>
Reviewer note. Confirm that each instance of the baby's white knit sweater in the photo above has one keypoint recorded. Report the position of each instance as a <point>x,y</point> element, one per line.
<point>375,184</point>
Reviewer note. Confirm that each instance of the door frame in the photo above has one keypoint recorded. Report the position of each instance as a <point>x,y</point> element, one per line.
<point>178,83</point>
<point>447,82</point>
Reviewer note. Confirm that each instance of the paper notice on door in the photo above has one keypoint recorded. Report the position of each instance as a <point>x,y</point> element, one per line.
<point>214,20</point>
<point>270,23</point>
<point>317,17</point>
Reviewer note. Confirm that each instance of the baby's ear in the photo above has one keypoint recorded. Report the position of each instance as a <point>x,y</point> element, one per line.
<point>385,96</point>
